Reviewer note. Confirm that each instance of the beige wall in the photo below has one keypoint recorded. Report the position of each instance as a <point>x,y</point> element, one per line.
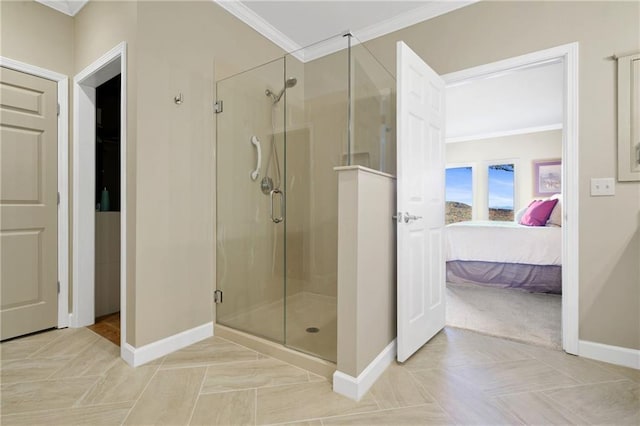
<point>366,267</point>
<point>178,45</point>
<point>609,237</point>
<point>37,35</point>
<point>519,149</point>
<point>99,27</point>
<point>172,46</point>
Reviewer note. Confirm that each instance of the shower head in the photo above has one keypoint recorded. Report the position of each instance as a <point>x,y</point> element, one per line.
<point>289,83</point>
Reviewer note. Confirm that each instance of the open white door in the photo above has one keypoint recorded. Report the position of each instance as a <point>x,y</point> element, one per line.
<point>420,205</point>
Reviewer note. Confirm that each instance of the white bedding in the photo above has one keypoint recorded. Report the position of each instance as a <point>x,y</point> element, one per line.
<point>503,242</point>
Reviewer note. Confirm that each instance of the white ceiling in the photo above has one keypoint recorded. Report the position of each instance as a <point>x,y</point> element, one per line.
<point>520,101</point>
<point>68,7</point>
<point>294,25</point>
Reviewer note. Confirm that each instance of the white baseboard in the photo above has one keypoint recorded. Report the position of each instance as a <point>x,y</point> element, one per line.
<point>611,354</point>
<point>356,387</point>
<point>139,356</point>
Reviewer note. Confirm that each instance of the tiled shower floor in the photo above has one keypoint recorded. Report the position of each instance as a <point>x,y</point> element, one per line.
<point>303,310</point>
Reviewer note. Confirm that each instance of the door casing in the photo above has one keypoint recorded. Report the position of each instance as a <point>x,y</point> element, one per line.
<point>568,53</point>
<point>109,65</point>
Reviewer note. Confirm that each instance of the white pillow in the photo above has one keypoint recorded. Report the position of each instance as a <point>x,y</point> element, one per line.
<point>555,218</point>
<point>519,214</point>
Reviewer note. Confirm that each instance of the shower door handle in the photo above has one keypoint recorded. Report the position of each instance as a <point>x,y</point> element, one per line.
<point>256,142</point>
<point>280,218</point>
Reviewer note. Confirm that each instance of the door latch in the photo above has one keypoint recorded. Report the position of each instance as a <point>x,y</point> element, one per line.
<point>409,217</point>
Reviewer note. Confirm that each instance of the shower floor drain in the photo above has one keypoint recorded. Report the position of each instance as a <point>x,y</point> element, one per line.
<point>313,330</point>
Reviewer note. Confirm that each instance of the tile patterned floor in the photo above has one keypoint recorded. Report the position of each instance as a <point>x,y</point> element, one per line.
<point>73,376</point>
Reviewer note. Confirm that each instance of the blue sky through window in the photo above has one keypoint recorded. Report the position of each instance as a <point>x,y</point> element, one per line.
<point>501,187</point>
<point>459,187</point>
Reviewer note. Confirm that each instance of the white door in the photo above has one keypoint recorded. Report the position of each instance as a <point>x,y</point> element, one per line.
<point>420,205</point>
<point>28,203</point>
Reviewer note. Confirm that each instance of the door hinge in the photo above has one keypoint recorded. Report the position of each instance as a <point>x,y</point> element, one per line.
<point>58,287</point>
<point>58,197</point>
<point>217,296</point>
<point>217,107</point>
<point>58,110</point>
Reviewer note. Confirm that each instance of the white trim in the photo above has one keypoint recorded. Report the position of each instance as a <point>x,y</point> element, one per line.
<point>503,133</point>
<point>363,169</point>
<point>570,178</point>
<point>255,21</point>
<point>138,356</point>
<point>318,50</point>
<point>356,387</point>
<point>68,7</point>
<point>611,354</point>
<point>63,177</point>
<point>106,67</point>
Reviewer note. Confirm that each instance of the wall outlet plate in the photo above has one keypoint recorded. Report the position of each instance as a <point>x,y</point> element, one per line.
<point>601,187</point>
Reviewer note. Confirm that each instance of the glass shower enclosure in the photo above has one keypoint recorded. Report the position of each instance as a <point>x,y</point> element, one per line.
<point>283,128</point>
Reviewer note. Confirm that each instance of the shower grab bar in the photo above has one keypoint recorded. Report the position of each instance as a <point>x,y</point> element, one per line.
<point>256,142</point>
<point>279,218</point>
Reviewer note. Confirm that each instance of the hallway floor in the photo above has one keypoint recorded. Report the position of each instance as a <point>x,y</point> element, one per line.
<point>73,376</point>
<point>108,326</point>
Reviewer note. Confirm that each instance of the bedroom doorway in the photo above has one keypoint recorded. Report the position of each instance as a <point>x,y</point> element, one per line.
<point>494,170</point>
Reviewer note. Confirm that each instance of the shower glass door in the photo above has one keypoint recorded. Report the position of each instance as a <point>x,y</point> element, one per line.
<point>250,258</point>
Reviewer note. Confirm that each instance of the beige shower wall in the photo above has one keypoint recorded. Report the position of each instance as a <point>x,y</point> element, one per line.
<point>484,32</point>
<point>326,110</point>
<point>250,246</point>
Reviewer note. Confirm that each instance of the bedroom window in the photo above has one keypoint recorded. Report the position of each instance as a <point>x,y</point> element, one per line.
<point>501,179</point>
<point>458,194</point>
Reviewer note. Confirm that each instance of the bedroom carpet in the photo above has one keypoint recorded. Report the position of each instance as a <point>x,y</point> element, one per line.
<point>512,314</point>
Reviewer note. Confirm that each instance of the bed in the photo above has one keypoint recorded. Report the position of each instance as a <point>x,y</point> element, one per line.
<point>505,255</point>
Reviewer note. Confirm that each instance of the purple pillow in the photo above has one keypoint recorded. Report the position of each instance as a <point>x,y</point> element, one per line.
<point>538,212</point>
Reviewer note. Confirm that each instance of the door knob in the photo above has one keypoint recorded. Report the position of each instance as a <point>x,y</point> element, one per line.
<point>409,217</point>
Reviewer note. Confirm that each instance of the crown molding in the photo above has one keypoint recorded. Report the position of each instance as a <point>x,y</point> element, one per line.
<point>309,53</point>
<point>68,7</point>
<point>255,21</point>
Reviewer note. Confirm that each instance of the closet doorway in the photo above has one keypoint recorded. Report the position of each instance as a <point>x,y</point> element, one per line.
<point>107,201</point>
<point>89,183</point>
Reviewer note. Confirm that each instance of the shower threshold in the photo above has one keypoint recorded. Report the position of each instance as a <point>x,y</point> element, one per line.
<point>299,359</point>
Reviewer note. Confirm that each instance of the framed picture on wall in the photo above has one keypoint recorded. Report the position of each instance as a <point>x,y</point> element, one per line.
<point>547,177</point>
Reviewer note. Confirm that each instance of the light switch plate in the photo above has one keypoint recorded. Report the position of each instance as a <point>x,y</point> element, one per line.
<point>603,187</point>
